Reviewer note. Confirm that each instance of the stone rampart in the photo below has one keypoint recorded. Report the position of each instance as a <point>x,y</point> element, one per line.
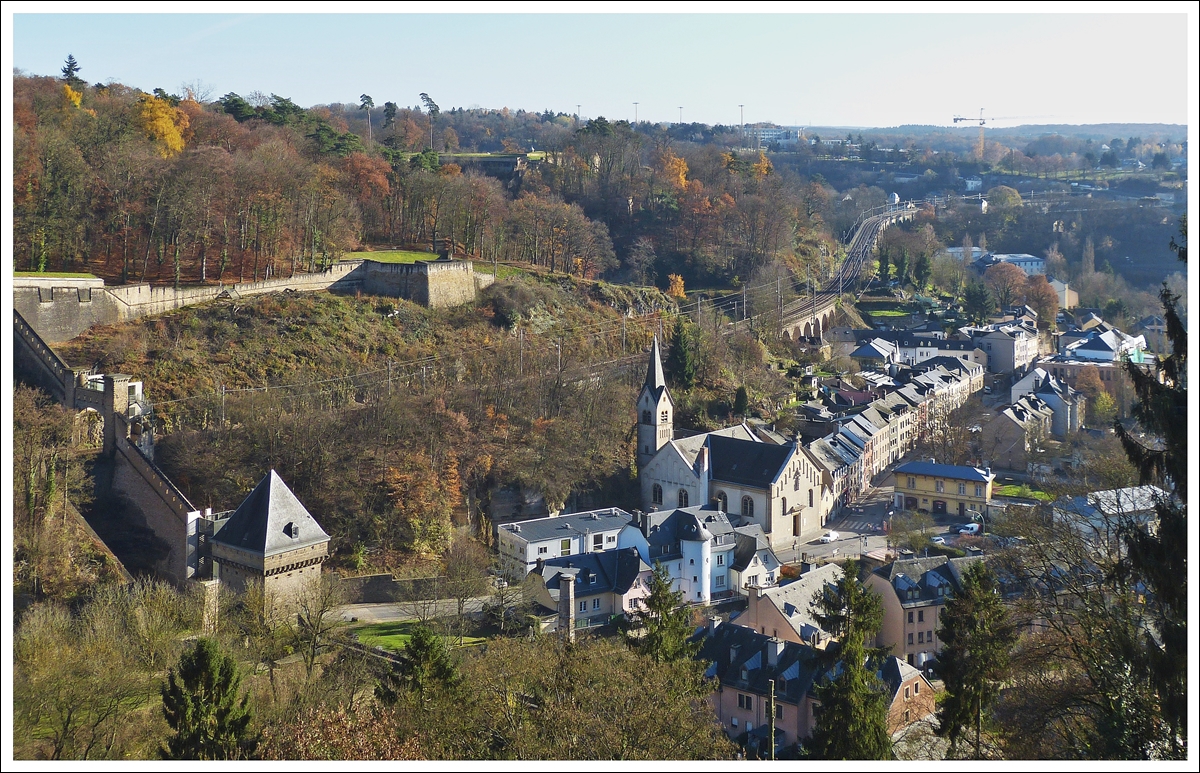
<point>38,363</point>
<point>387,589</point>
<point>435,283</point>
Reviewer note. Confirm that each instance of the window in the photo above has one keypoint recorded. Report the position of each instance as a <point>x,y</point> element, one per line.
<point>783,505</point>
<point>810,497</point>
<point>543,550</point>
<point>796,483</point>
<point>656,494</point>
<point>597,542</point>
<point>920,616</point>
<point>747,507</point>
<point>746,702</point>
<point>565,547</point>
<point>662,417</point>
<point>733,721</point>
<point>906,695</point>
<point>910,619</point>
<point>910,638</point>
<point>683,497</point>
<point>719,581</point>
<point>583,606</point>
<point>749,726</point>
<point>978,490</point>
<point>752,580</point>
<point>720,559</point>
<point>920,637</point>
<point>595,603</point>
<point>962,489</point>
<point>778,711</point>
<point>929,636</point>
<point>916,688</point>
<point>611,538</point>
<point>906,716</point>
<point>912,482</point>
<point>695,578</point>
<point>647,417</point>
<point>723,501</point>
<point>940,486</point>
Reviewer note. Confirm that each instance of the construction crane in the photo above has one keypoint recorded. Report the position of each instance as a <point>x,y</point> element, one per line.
<point>982,122</point>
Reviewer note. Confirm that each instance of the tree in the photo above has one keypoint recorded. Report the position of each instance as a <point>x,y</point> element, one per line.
<point>431,108</point>
<point>853,722</point>
<point>675,287</point>
<point>741,401</point>
<point>1158,557</point>
<point>365,103</point>
<point>427,666</point>
<point>1088,382</point>
<point>1088,265</point>
<point>1003,197</point>
<point>1041,298</point>
<point>465,566</point>
<point>660,627</point>
<point>848,607</point>
<point>201,704</point>
<point>312,622</point>
<point>885,266</point>
<point>682,361</point>
<point>69,70</point>
<point>1006,282</point>
<point>977,637</point>
<point>978,304</point>
<point>922,268</point>
<point>641,260</point>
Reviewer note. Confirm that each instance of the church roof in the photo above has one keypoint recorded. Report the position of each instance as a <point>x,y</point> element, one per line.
<point>271,520</point>
<point>747,463</point>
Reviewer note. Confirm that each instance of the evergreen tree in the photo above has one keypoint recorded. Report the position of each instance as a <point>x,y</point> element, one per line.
<point>848,607</point>
<point>852,720</point>
<point>977,638</point>
<point>69,70</point>
<point>885,266</point>
<point>664,623</point>
<point>682,361</point>
<point>922,269</point>
<point>977,303</point>
<point>741,401</point>
<point>427,665</point>
<point>1158,558</point>
<point>201,703</point>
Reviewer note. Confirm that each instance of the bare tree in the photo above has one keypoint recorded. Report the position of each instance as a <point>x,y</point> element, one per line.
<point>465,566</point>
<point>313,625</point>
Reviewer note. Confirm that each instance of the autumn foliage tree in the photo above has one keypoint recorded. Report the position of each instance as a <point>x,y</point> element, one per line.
<point>1006,282</point>
<point>1042,298</point>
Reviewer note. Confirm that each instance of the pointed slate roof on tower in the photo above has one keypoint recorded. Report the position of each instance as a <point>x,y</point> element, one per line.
<point>656,382</point>
<point>271,520</point>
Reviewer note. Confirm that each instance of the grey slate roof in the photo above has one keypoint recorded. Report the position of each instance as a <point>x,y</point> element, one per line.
<point>563,526</point>
<point>951,471</point>
<point>750,464</point>
<point>609,571</point>
<point>655,381</point>
<point>271,520</point>
<point>924,575</point>
<point>733,648</point>
<point>750,540</point>
<point>664,530</point>
<point>794,600</point>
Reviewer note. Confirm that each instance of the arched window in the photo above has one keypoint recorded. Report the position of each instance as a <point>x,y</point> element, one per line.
<point>656,494</point>
<point>783,505</point>
<point>747,507</point>
<point>810,497</point>
<point>796,483</point>
<point>683,497</point>
<point>723,501</point>
<point>662,416</point>
<point>647,417</point>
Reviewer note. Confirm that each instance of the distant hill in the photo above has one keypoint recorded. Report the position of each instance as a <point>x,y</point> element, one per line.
<point>1096,131</point>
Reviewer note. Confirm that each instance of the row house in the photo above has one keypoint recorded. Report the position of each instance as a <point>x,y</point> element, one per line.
<point>1007,439</point>
<point>1067,404</point>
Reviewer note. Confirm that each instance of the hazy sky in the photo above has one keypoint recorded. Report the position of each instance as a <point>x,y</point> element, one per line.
<point>844,69</point>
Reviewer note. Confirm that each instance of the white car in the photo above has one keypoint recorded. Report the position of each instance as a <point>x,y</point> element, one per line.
<point>938,540</point>
<point>970,528</point>
<point>829,537</point>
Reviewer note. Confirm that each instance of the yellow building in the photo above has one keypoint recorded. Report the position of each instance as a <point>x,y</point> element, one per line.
<point>942,488</point>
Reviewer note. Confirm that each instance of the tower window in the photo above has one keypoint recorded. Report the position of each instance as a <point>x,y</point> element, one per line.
<point>662,417</point>
<point>647,417</point>
<point>747,507</point>
<point>683,498</point>
<point>656,494</point>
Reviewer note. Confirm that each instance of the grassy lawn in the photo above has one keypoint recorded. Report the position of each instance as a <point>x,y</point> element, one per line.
<point>889,313</point>
<point>53,275</point>
<point>392,256</point>
<point>393,636</point>
<point>1022,491</point>
<point>502,271</point>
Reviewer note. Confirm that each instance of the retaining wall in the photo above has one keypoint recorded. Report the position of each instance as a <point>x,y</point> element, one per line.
<point>386,589</point>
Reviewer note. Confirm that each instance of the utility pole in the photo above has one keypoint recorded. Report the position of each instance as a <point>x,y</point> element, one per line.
<point>771,716</point>
<point>742,108</point>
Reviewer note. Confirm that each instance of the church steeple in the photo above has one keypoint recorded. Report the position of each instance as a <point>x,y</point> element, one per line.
<point>655,409</point>
<point>654,374</point>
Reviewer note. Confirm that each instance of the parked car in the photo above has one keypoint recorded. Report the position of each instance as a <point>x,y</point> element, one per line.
<point>970,529</point>
<point>938,540</point>
<point>829,537</point>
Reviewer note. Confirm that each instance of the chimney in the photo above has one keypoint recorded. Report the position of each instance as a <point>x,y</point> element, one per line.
<point>714,623</point>
<point>702,462</point>
<point>566,605</point>
<point>774,649</point>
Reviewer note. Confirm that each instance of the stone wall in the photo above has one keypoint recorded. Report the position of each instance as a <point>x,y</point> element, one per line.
<point>434,283</point>
<point>386,589</point>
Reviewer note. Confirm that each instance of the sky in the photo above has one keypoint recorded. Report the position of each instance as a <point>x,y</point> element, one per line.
<point>843,69</point>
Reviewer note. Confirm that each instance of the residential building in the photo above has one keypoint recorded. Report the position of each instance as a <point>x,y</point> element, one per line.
<point>696,544</point>
<point>522,543</point>
<point>273,540</point>
<point>974,184</point>
<point>912,696</point>
<point>1030,264</point>
<point>1112,374</point>
<point>1104,346</point>
<point>605,585</point>
<point>882,349</point>
<point>1067,404</point>
<point>755,565</point>
<point>787,612</point>
<point>1010,347</point>
<point>1067,298</point>
<point>1009,437</point>
<point>914,593</point>
<point>1098,516</point>
<point>943,488</point>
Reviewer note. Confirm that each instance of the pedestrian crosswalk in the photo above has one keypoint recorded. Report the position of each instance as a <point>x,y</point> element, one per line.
<point>857,526</point>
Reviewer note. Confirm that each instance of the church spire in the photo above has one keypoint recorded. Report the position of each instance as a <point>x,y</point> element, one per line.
<point>654,374</point>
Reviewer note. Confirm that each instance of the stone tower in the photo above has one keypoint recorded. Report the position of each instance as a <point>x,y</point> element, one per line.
<point>656,410</point>
<point>272,539</point>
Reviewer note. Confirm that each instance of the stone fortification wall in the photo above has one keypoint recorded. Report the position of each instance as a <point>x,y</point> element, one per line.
<point>60,309</point>
<point>386,589</point>
<point>38,363</point>
<point>156,501</point>
<point>435,283</point>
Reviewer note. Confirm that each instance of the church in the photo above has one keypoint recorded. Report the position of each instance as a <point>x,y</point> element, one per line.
<point>778,487</point>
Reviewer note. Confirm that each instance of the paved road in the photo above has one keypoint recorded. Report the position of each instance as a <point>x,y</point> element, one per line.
<point>394,612</point>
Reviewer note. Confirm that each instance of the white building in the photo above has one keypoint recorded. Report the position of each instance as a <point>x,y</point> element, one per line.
<point>522,543</point>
